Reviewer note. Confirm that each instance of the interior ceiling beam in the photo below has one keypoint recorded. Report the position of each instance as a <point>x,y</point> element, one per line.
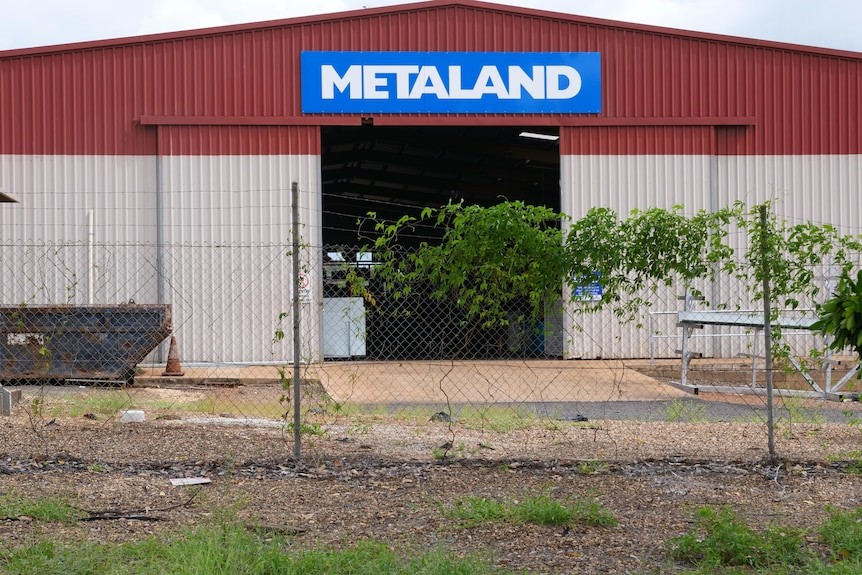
<point>447,190</point>
<point>350,195</point>
<point>496,179</point>
<point>494,166</point>
<point>431,142</point>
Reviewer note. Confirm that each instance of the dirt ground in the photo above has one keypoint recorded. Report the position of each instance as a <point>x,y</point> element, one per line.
<point>387,479</point>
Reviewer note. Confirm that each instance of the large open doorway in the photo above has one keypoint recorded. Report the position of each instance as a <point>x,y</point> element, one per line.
<point>392,170</point>
<point>398,170</point>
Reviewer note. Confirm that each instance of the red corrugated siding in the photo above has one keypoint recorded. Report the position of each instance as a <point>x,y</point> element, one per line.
<point>87,99</point>
<point>637,140</point>
<point>239,140</point>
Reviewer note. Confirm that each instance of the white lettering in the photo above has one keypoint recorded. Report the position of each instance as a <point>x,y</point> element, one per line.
<point>534,85</point>
<point>490,82</point>
<point>413,82</point>
<point>573,82</point>
<point>373,78</point>
<point>428,82</point>
<point>402,80</point>
<point>456,89</point>
<point>331,81</point>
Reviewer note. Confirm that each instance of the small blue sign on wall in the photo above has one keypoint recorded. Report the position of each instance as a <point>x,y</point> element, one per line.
<point>589,288</point>
<point>451,82</point>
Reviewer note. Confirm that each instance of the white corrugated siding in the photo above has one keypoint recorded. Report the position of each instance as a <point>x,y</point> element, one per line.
<point>822,189</point>
<point>227,267</point>
<point>226,225</point>
<point>45,259</point>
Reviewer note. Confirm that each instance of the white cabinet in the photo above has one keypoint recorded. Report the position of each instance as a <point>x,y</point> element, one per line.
<point>343,327</point>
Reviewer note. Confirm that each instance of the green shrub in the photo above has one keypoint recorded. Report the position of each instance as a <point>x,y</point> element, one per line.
<point>722,539</point>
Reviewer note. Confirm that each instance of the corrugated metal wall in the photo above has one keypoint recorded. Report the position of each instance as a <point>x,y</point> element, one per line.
<point>220,258</point>
<point>228,273</point>
<point>626,182</point>
<point>45,258</point>
<point>820,189</point>
<point>88,99</point>
<point>687,118</point>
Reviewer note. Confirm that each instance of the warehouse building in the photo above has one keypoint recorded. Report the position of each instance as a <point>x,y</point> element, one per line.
<point>158,168</point>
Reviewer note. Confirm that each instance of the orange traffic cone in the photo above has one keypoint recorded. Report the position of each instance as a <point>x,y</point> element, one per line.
<point>173,366</point>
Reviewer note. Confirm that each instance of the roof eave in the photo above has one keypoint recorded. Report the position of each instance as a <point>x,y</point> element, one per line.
<point>423,6</point>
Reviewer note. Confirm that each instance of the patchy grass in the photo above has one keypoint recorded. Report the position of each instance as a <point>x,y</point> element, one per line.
<point>495,418</point>
<point>47,509</point>
<point>539,509</point>
<point>721,542</point>
<point>231,549</point>
<point>842,532</point>
<point>678,411</point>
<point>593,467</point>
<point>799,411</point>
<point>722,539</point>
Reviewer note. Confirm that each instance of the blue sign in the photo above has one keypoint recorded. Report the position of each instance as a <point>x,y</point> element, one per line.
<point>451,82</point>
<point>588,288</point>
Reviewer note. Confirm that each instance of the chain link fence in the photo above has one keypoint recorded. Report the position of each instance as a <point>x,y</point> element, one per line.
<point>219,350</point>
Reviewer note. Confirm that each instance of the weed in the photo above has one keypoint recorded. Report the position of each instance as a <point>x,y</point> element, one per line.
<point>843,533</point>
<point>853,420</point>
<point>729,542</point>
<point>39,509</point>
<point>799,412</point>
<point>542,509</point>
<point>230,548</point>
<point>593,467</point>
<point>97,468</point>
<point>306,428</point>
<point>37,406</point>
<point>103,403</point>
<point>853,460</point>
<point>755,417</point>
<point>591,512</point>
<point>472,511</point>
<point>678,411</point>
<point>499,419</point>
<point>449,450</point>
<point>359,427</point>
<point>539,509</point>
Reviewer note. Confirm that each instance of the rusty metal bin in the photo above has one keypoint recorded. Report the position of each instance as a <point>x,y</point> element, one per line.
<point>99,343</point>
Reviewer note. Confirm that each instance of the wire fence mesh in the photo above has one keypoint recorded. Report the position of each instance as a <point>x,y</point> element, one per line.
<point>84,336</point>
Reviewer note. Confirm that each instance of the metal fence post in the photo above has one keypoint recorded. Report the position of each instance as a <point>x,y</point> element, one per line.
<point>297,439</point>
<point>767,331</point>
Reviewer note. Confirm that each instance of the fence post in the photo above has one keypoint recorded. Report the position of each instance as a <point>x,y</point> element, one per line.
<point>297,439</point>
<point>767,331</point>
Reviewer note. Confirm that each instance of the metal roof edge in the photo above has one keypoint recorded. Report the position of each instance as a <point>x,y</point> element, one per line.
<point>425,6</point>
<point>453,119</point>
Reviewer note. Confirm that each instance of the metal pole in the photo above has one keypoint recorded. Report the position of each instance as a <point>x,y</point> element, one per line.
<point>827,289</point>
<point>91,257</point>
<point>294,192</point>
<point>651,339</point>
<point>686,332</point>
<point>160,237</point>
<point>714,287</point>
<point>767,332</point>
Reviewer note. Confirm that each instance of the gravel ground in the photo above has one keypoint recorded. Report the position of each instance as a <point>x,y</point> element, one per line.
<point>386,478</point>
